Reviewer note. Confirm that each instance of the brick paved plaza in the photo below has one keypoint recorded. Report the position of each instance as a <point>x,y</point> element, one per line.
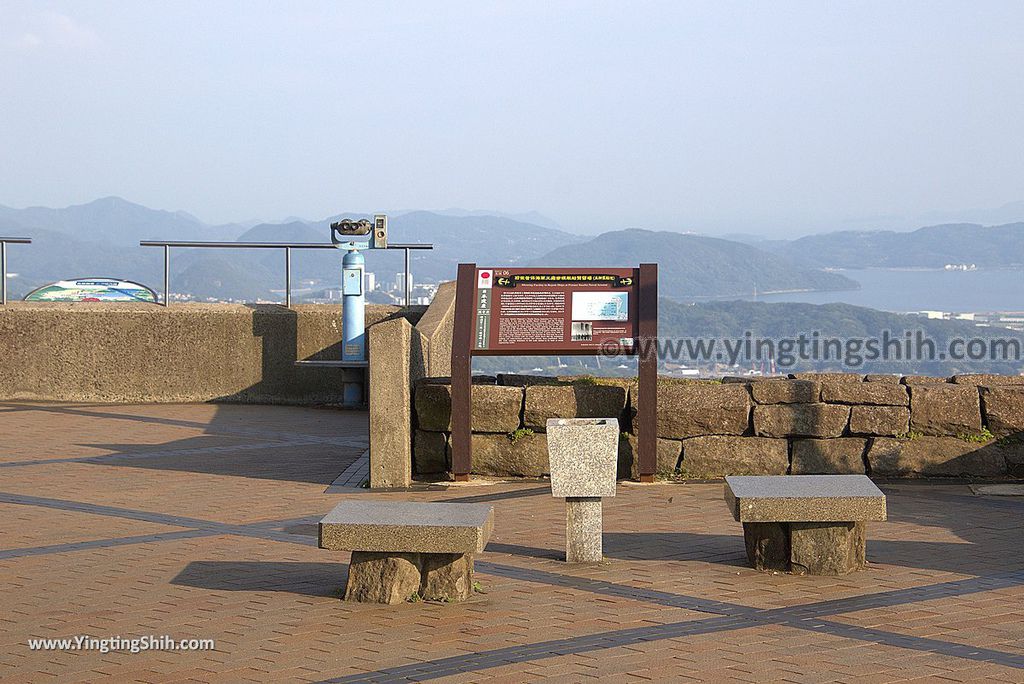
<point>199,521</point>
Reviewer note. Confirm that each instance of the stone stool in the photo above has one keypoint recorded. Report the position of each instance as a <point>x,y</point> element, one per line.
<point>805,524</point>
<point>583,456</point>
<point>403,549</point>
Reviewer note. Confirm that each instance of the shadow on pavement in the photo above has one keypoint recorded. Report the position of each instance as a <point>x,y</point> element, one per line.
<point>306,579</point>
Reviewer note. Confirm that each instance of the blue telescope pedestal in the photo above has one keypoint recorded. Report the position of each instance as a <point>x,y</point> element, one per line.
<point>354,235</point>
<point>353,319</point>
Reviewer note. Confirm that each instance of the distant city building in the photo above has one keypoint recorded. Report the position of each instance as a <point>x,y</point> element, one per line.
<point>400,281</point>
<point>369,281</point>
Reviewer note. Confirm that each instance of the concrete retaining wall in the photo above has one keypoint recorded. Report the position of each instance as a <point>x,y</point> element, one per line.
<point>806,424</point>
<point>185,352</point>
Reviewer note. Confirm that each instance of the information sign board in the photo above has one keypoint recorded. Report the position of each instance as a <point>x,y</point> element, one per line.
<point>555,310</point>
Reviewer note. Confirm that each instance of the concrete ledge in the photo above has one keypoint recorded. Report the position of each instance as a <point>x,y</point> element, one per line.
<point>143,353</point>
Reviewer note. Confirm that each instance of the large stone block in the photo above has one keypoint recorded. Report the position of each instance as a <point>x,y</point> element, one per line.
<point>767,545</point>
<point>785,391</point>
<point>521,380</point>
<point>947,456</point>
<point>870,393</point>
<point>1004,409</point>
<point>446,576</point>
<point>691,409</point>
<point>882,421</point>
<point>826,548</point>
<point>841,456</point>
<point>666,459</point>
<point>988,379</point>
<point>434,406</point>
<point>1012,450</point>
<point>881,377</point>
<point>494,409</point>
<point>430,452</point>
<point>498,455</point>
<point>801,420</point>
<point>571,401</point>
<point>923,380</point>
<point>382,577</point>
<point>715,456</point>
<point>828,377</point>
<point>945,409</point>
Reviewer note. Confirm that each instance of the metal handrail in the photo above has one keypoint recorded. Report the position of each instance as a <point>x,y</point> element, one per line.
<point>286,246</point>
<point>3,263</point>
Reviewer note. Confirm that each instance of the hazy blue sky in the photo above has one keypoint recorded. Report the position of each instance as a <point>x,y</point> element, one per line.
<point>714,116</point>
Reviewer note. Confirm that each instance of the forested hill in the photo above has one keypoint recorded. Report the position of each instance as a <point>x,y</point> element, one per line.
<point>695,266</point>
<point>930,247</point>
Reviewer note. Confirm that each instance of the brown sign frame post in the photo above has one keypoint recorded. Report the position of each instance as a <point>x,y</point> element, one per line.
<point>646,348</point>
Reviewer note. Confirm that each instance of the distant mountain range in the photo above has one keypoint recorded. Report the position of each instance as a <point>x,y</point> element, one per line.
<point>696,267</point>
<point>930,247</point>
<point>101,239</point>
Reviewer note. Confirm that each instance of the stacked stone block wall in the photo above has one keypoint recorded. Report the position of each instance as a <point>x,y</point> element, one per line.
<point>890,426</point>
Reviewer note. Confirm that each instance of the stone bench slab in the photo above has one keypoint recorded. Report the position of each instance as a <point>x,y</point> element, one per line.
<point>804,498</point>
<point>406,527</point>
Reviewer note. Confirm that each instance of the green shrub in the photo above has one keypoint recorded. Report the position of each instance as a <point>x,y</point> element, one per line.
<point>978,437</point>
<point>519,434</point>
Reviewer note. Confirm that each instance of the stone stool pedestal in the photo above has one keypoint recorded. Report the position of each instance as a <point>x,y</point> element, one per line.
<point>386,577</point>
<point>810,548</point>
<point>583,530</point>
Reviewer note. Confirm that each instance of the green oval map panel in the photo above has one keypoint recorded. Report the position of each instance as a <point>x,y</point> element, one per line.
<point>92,290</point>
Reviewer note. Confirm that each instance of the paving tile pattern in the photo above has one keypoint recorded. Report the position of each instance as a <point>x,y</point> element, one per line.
<point>199,521</point>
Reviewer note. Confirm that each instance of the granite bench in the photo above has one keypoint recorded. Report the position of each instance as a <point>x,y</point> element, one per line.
<point>401,549</point>
<point>805,524</point>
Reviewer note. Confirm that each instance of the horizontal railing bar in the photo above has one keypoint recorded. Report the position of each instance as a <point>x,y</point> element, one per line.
<point>270,245</point>
<point>16,240</point>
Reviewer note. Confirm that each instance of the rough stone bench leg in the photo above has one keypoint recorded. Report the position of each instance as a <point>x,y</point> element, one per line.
<point>810,548</point>
<point>386,577</point>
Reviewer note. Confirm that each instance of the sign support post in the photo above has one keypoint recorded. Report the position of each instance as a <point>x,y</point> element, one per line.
<point>548,311</point>
<point>647,406</point>
<point>462,381</point>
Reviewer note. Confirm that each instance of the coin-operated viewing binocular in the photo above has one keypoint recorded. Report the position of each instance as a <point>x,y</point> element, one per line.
<point>353,235</point>
<point>361,233</point>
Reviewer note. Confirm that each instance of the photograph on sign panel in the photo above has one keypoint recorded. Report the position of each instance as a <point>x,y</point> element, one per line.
<point>600,306</point>
<point>582,331</point>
